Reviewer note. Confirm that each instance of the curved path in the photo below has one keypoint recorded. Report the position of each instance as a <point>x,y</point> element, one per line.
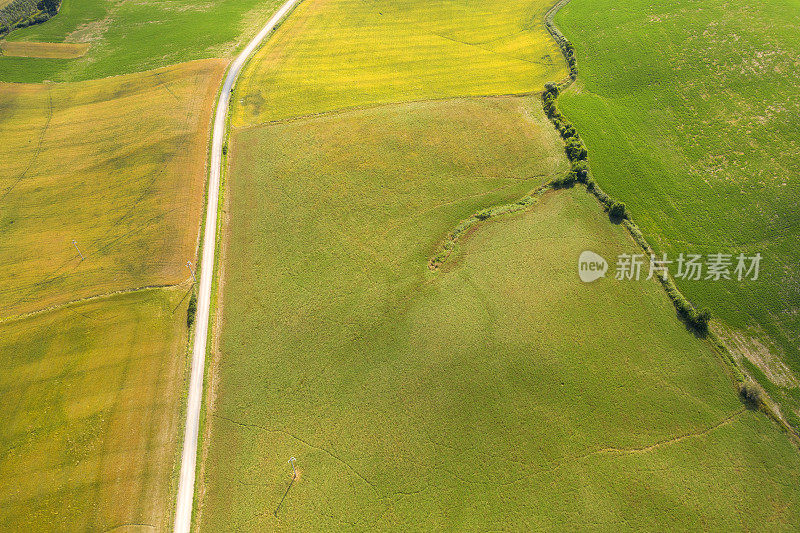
<point>184,504</point>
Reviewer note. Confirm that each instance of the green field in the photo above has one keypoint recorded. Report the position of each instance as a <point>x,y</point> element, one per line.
<point>128,37</point>
<point>90,400</point>
<point>117,165</point>
<point>496,391</point>
<point>335,54</point>
<point>699,135</point>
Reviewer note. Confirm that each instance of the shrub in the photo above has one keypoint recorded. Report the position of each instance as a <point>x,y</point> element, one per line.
<point>564,182</point>
<point>49,6</point>
<point>575,149</point>
<point>751,393</point>
<point>618,210</point>
<point>702,319</point>
<point>581,169</point>
<point>191,311</point>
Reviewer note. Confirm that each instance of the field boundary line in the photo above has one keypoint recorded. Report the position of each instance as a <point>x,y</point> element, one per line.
<point>674,440</point>
<point>368,107</point>
<point>739,374</point>
<point>186,485</point>
<point>85,299</point>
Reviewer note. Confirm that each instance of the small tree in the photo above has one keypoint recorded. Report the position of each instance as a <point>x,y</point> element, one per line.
<point>581,169</point>
<point>191,311</point>
<point>575,149</point>
<point>751,393</point>
<point>702,319</point>
<point>618,210</point>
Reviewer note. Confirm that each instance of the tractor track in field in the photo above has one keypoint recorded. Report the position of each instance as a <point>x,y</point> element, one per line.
<point>39,144</point>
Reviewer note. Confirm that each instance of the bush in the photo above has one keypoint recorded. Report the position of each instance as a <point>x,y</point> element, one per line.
<point>565,182</point>
<point>581,170</point>
<point>702,319</point>
<point>191,311</point>
<point>575,149</point>
<point>618,210</point>
<point>49,6</point>
<point>751,393</point>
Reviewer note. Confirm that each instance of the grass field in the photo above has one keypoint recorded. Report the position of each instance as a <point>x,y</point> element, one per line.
<point>90,400</point>
<point>335,54</point>
<point>92,392</point>
<point>128,37</point>
<point>699,136</point>
<point>497,392</point>
<point>46,50</point>
<point>116,164</point>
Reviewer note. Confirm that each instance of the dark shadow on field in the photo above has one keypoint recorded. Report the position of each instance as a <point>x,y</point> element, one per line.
<point>185,295</point>
<point>617,220</point>
<point>278,508</point>
<point>691,328</point>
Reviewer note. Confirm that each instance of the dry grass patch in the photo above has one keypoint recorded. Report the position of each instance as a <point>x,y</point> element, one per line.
<point>118,165</point>
<point>44,50</point>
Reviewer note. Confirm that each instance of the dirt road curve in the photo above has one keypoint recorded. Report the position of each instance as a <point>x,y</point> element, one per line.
<point>183,512</point>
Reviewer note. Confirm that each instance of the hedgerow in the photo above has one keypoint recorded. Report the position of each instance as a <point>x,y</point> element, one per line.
<point>578,154</point>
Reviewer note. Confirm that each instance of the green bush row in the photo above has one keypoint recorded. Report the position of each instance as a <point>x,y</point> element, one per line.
<point>617,211</point>
<point>452,239</point>
<point>566,47</point>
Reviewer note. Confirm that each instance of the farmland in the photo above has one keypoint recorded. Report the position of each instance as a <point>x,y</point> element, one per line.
<point>117,165</point>
<point>101,189</point>
<point>338,54</point>
<point>699,136</point>
<point>496,390</point>
<point>482,388</point>
<point>46,50</point>
<point>127,37</point>
<point>89,395</point>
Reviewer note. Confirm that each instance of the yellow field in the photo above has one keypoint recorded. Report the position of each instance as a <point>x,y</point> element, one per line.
<point>116,164</point>
<point>44,50</point>
<point>334,54</point>
<point>90,401</point>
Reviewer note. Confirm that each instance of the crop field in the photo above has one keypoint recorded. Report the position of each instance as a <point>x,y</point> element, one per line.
<point>497,390</point>
<point>118,165</point>
<point>101,189</point>
<point>47,50</point>
<point>700,136</point>
<point>337,54</point>
<point>90,401</point>
<point>127,37</point>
